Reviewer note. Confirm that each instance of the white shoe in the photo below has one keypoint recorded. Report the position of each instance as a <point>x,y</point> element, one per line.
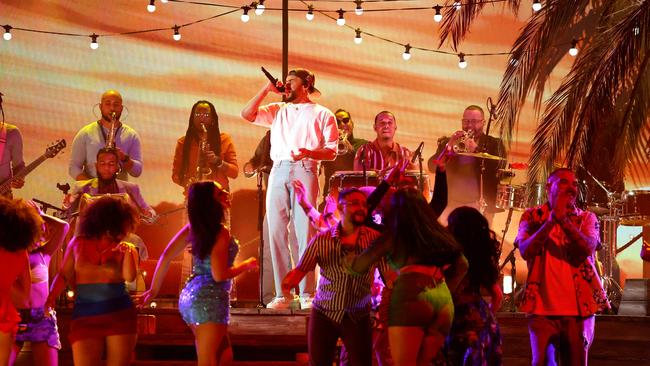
<point>281,303</point>
<point>306,301</point>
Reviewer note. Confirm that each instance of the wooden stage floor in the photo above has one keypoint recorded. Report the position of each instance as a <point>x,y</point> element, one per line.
<point>279,338</point>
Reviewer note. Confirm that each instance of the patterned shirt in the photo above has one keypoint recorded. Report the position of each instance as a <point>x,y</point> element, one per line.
<point>581,277</point>
<point>375,159</point>
<point>340,292</point>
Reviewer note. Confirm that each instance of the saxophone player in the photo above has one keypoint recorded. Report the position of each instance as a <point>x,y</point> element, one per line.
<point>99,134</point>
<point>204,153</point>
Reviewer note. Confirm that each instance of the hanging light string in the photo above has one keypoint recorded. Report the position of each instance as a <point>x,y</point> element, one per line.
<point>309,7</point>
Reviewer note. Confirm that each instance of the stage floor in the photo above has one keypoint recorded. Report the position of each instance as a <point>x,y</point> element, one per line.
<point>279,338</point>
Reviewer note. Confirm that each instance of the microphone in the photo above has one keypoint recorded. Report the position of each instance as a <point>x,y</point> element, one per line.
<point>273,80</point>
<point>418,152</point>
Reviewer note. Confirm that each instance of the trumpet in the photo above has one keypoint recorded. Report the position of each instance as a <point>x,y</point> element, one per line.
<point>344,145</point>
<point>461,145</point>
<point>110,139</point>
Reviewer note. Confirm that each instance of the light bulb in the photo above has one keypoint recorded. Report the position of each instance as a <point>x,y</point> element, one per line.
<point>259,9</point>
<point>357,38</point>
<point>152,6</point>
<point>407,52</point>
<point>93,41</point>
<point>461,61</point>
<point>457,5</point>
<point>358,10</point>
<point>70,294</point>
<point>7,36</point>
<point>245,17</point>
<point>177,34</point>
<point>438,16</point>
<point>310,13</point>
<point>341,20</point>
<point>153,305</point>
<point>573,51</point>
<point>537,5</point>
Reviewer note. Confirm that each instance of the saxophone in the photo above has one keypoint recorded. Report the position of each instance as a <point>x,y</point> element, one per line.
<point>203,171</point>
<point>110,139</point>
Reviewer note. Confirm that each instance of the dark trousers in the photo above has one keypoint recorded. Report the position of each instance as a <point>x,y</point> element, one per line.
<point>566,338</point>
<point>323,334</point>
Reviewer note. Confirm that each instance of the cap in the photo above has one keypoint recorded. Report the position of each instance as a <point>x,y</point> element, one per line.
<point>307,77</point>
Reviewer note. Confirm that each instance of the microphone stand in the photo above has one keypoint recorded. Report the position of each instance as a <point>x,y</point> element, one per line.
<point>363,165</point>
<point>260,229</point>
<point>513,270</point>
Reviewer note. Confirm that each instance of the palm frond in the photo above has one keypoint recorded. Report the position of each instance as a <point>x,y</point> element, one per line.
<point>457,23</point>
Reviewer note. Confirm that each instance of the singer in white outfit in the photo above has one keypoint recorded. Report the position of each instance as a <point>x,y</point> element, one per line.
<point>303,134</point>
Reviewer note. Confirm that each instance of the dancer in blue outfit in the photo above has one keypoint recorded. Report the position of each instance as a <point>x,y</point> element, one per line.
<point>204,301</point>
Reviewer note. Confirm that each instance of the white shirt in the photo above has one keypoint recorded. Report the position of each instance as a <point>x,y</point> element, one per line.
<point>294,126</point>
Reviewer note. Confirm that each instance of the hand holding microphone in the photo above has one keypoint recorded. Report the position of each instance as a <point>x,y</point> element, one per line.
<point>274,81</point>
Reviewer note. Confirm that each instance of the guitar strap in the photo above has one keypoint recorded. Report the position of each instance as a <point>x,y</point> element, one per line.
<point>3,140</point>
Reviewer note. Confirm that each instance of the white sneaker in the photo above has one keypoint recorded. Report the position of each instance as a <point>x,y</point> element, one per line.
<point>281,303</point>
<point>306,301</point>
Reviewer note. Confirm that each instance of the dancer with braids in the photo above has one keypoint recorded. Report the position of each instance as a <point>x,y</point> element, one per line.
<point>204,302</point>
<point>97,262</point>
<point>429,264</point>
<point>475,338</point>
<point>20,227</point>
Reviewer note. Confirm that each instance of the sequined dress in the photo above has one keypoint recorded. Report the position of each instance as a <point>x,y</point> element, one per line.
<point>204,300</point>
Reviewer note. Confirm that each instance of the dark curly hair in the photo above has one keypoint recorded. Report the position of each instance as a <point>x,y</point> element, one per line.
<point>107,215</point>
<point>417,236</point>
<point>205,214</point>
<point>480,245</point>
<point>214,136</point>
<point>20,225</point>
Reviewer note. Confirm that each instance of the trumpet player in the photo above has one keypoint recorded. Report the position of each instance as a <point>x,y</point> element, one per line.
<point>97,135</point>
<point>463,171</point>
<point>204,153</point>
<point>347,149</point>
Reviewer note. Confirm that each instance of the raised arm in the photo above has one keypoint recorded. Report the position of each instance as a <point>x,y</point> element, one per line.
<point>173,249</point>
<point>249,112</point>
<point>57,229</point>
<point>221,271</point>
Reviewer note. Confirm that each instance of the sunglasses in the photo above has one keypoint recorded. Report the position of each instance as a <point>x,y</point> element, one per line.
<point>344,119</point>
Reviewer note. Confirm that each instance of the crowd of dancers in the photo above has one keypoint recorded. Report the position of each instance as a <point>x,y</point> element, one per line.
<point>431,260</point>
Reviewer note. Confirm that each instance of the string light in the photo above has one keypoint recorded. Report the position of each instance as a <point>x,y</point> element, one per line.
<point>457,5</point>
<point>573,51</point>
<point>177,34</point>
<point>537,5</point>
<point>152,6</point>
<point>438,17</point>
<point>340,21</point>
<point>310,13</point>
<point>259,8</point>
<point>358,10</point>
<point>93,41</point>
<point>461,61</point>
<point>70,294</point>
<point>7,35</point>
<point>407,52</point>
<point>357,38</point>
<point>245,17</point>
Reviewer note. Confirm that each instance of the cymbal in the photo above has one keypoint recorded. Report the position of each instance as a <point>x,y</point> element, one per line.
<point>482,155</point>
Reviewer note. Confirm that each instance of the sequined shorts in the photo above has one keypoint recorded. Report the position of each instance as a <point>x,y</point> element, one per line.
<point>204,300</point>
<point>36,325</point>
